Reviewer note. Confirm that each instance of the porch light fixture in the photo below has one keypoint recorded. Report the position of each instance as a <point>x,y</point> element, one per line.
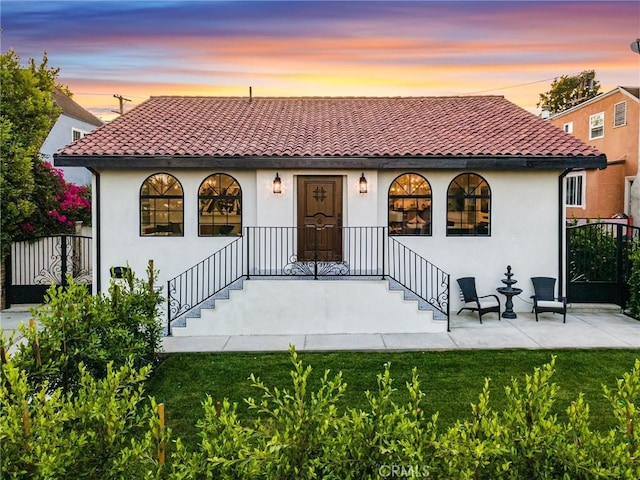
<point>277,185</point>
<point>363,184</point>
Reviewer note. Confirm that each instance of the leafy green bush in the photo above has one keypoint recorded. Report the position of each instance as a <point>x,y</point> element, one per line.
<point>78,328</point>
<point>634,283</point>
<point>104,430</point>
<point>301,435</point>
<point>592,254</point>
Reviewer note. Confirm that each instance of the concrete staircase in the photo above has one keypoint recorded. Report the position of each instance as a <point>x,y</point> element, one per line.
<point>208,304</point>
<point>358,301</point>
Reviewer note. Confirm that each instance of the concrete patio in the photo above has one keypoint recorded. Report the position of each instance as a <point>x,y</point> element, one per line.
<point>595,327</point>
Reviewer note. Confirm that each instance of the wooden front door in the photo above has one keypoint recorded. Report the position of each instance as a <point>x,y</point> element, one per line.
<point>320,218</point>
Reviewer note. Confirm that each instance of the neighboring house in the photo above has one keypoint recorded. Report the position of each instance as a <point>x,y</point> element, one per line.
<point>611,123</point>
<point>252,192</point>
<point>73,123</point>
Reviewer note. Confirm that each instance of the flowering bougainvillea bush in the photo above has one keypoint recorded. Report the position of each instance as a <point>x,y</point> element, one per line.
<point>59,204</point>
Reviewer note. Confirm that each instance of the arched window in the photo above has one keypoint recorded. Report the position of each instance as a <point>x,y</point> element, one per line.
<point>410,205</point>
<point>469,206</point>
<point>219,206</point>
<point>161,206</point>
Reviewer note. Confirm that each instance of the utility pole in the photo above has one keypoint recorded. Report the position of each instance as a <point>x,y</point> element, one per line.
<point>122,100</point>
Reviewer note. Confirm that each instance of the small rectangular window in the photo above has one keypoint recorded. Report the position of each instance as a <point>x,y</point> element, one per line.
<point>596,126</point>
<point>620,114</point>
<point>77,134</point>
<point>575,190</point>
<point>568,127</point>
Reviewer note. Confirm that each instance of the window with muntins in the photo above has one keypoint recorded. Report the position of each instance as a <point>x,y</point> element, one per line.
<point>77,134</point>
<point>596,126</point>
<point>620,114</point>
<point>469,206</point>
<point>219,206</point>
<point>575,190</point>
<point>161,206</point>
<point>410,205</point>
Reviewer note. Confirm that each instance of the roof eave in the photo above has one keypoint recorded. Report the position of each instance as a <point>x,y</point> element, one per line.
<point>487,162</point>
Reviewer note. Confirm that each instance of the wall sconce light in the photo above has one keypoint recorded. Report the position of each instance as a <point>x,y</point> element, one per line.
<point>277,185</point>
<point>363,184</point>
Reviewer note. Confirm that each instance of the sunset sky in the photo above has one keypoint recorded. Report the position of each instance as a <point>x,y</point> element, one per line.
<point>321,48</point>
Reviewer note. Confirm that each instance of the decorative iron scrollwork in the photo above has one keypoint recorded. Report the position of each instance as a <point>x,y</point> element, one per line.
<point>176,307</point>
<point>52,272</point>
<point>313,267</point>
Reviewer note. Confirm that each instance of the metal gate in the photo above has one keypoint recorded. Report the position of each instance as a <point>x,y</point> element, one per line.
<point>34,265</point>
<point>598,262</point>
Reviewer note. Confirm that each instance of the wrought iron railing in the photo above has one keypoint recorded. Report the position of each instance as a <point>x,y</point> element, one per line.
<point>205,279</point>
<point>308,252</point>
<point>315,252</point>
<point>420,276</point>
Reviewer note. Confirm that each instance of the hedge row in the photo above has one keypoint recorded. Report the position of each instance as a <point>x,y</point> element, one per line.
<point>107,429</point>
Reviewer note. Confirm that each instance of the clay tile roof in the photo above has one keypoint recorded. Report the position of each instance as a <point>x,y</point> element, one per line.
<point>328,127</point>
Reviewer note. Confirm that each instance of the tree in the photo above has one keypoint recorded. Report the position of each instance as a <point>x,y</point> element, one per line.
<point>569,91</point>
<point>35,200</point>
<point>27,100</point>
<point>16,185</point>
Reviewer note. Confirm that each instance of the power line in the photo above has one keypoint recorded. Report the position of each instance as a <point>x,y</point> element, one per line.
<point>510,86</point>
<point>521,84</point>
<point>105,94</point>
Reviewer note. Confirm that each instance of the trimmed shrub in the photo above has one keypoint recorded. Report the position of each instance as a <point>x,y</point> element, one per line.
<point>105,429</point>
<point>301,435</point>
<point>78,328</point>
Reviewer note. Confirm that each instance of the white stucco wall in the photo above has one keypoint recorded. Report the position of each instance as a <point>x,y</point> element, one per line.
<point>61,135</point>
<point>524,223</point>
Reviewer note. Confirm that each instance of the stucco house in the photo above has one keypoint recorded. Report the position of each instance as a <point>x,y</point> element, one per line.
<point>611,123</point>
<point>327,215</point>
<point>73,123</point>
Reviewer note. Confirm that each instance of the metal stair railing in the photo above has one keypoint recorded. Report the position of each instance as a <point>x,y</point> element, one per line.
<point>272,251</point>
<point>278,251</point>
<point>418,275</point>
<point>205,279</point>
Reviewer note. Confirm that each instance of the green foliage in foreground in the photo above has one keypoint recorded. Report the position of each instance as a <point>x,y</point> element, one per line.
<point>78,328</point>
<point>95,432</point>
<point>634,283</point>
<point>105,430</point>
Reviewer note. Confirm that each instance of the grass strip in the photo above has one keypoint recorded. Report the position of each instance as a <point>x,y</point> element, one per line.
<point>451,380</point>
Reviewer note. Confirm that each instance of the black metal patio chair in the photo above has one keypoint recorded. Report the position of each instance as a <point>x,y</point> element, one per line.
<point>481,304</point>
<point>544,299</point>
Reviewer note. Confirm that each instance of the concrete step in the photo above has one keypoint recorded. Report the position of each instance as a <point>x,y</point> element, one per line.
<point>593,308</point>
<point>410,296</point>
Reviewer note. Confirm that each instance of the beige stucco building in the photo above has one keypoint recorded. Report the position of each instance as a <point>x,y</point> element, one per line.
<point>611,123</point>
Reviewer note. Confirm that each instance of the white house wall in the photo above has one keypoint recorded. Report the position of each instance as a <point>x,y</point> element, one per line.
<point>524,223</point>
<point>524,232</point>
<point>60,135</point>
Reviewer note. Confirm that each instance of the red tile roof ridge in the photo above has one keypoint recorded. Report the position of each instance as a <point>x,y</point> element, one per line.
<point>479,125</point>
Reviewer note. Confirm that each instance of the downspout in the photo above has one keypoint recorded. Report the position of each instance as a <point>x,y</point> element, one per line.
<point>562,232</point>
<point>97,229</point>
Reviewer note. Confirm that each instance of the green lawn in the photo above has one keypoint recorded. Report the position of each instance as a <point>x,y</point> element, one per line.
<point>451,380</point>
